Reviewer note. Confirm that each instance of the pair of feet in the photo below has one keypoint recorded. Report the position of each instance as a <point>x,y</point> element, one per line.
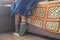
<point>22,32</point>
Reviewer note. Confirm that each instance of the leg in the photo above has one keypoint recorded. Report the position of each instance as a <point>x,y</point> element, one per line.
<point>17,21</point>
<point>23,20</point>
<point>23,25</point>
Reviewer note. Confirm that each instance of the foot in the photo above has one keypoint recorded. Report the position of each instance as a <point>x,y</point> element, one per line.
<point>16,34</point>
<point>23,29</point>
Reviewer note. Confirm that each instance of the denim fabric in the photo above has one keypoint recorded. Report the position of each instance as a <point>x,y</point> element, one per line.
<point>23,7</point>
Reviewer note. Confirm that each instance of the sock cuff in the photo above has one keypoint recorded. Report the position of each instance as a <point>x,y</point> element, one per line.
<point>23,20</point>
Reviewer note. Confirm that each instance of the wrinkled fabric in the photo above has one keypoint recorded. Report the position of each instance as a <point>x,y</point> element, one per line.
<point>23,7</point>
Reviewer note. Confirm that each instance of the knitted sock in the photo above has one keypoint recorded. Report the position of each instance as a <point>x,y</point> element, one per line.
<point>23,22</point>
<point>23,27</point>
<point>17,26</point>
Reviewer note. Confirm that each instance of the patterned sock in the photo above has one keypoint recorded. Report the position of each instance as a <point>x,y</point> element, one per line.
<point>23,22</point>
<point>17,27</point>
<point>23,27</point>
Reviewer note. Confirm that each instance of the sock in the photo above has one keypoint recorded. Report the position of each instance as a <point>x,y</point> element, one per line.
<point>23,22</point>
<point>23,27</point>
<point>17,27</point>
